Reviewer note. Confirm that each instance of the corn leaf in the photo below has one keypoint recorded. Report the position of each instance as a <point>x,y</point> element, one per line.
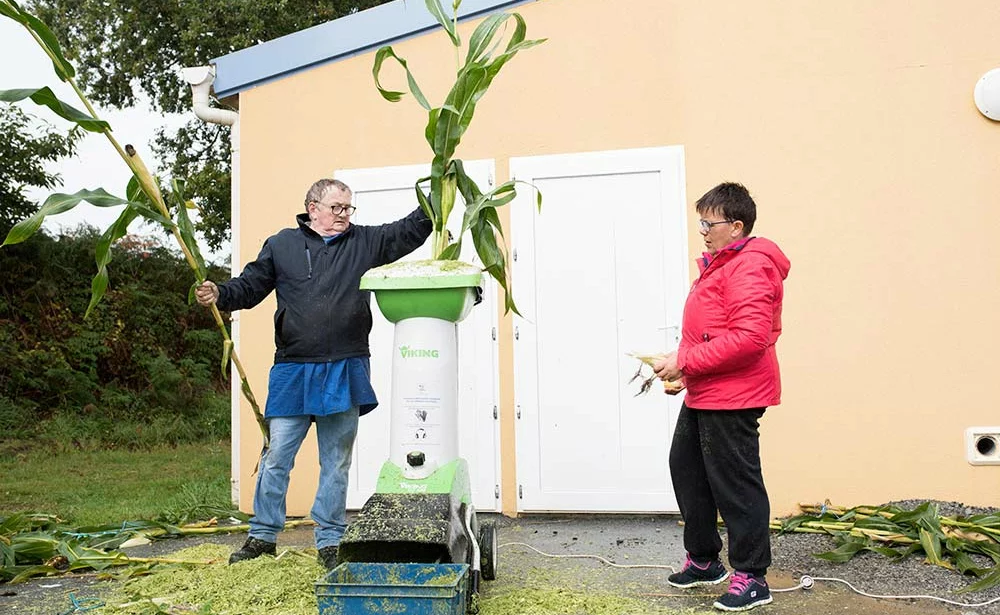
<point>20,574</point>
<point>877,523</point>
<point>391,95</point>
<point>932,547</point>
<point>987,582</point>
<point>46,97</point>
<point>435,8</point>
<point>889,552</point>
<point>10,8</point>
<point>494,261</point>
<point>113,233</point>
<point>990,520</point>
<point>844,552</point>
<point>989,549</point>
<point>227,351</point>
<point>186,229</point>
<point>136,206</point>
<point>966,565</point>
<point>479,42</point>
<point>57,204</point>
<point>423,200</point>
<point>924,516</point>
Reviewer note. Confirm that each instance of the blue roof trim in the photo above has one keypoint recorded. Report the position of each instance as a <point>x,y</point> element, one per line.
<point>336,40</point>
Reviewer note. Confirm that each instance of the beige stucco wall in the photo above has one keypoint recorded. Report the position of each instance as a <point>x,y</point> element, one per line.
<point>853,125</point>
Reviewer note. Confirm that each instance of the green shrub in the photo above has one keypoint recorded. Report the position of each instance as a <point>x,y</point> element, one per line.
<point>142,370</point>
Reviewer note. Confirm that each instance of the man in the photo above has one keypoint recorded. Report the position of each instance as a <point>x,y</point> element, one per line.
<point>321,372</point>
<point>727,361</point>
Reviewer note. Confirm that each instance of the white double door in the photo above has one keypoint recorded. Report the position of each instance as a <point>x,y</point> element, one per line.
<point>600,272</point>
<point>383,195</point>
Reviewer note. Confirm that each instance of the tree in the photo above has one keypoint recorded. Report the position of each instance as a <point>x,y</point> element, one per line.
<point>26,144</point>
<point>124,48</point>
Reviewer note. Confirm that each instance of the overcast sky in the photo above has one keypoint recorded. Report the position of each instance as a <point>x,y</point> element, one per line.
<point>97,164</point>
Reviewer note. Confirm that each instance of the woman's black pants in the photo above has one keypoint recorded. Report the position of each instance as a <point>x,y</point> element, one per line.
<point>715,469</point>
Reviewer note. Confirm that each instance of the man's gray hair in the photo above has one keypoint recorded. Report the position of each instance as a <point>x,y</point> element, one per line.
<point>321,188</point>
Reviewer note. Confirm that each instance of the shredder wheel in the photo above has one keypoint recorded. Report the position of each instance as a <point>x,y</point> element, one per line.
<point>488,550</point>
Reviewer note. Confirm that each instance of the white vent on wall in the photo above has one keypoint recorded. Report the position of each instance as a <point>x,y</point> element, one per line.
<point>987,94</point>
<point>982,445</point>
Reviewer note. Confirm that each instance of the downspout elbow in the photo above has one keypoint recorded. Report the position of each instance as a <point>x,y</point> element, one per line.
<point>200,78</point>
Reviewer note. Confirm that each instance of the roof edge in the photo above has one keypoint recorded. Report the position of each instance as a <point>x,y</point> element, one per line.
<point>336,40</point>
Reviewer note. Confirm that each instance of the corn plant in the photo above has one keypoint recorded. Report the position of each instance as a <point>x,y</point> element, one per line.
<point>447,123</point>
<point>143,198</point>
<point>949,542</point>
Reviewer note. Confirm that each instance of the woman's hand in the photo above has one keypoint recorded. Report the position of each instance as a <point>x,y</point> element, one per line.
<point>666,368</point>
<point>673,387</point>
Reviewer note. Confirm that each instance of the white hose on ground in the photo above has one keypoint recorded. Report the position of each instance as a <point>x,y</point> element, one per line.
<point>805,581</point>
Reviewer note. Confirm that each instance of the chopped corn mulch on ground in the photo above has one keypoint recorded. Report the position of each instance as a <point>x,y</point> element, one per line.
<point>262,586</point>
<point>284,585</point>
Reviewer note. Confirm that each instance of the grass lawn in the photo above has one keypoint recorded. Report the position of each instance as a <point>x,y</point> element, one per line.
<point>97,487</point>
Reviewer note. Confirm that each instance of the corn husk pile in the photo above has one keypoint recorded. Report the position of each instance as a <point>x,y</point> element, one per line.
<point>949,542</point>
<point>34,545</point>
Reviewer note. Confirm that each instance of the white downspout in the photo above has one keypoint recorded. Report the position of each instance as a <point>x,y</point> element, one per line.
<point>200,79</point>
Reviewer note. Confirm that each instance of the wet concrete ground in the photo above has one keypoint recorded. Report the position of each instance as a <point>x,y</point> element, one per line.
<point>622,540</point>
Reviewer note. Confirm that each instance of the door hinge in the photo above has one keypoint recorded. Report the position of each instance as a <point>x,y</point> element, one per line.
<point>496,492</point>
<point>496,413</point>
<point>517,333</point>
<point>519,411</point>
<point>489,179</point>
<point>520,492</point>
<point>514,254</point>
<point>494,334</point>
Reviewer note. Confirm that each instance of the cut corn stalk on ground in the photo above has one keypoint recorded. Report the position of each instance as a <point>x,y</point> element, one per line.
<point>673,386</point>
<point>33,545</point>
<point>956,543</point>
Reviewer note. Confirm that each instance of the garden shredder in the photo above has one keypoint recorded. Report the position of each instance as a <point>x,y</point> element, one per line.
<point>422,509</point>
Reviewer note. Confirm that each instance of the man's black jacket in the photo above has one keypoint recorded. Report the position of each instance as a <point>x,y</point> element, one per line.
<point>322,315</point>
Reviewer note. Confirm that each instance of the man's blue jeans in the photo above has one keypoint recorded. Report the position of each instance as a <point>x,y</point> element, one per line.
<point>335,434</point>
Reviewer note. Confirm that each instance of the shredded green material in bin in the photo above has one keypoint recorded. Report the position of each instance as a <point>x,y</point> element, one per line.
<point>262,586</point>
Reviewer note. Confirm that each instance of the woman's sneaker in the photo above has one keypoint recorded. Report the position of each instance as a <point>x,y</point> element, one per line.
<point>746,591</point>
<point>694,574</point>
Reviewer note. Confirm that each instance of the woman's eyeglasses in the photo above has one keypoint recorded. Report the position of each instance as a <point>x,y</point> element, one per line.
<point>706,226</point>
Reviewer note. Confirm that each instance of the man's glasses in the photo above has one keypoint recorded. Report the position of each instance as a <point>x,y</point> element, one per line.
<point>338,209</point>
<point>706,226</point>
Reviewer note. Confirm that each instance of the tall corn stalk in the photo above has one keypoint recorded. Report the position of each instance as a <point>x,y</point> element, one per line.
<point>143,196</point>
<point>446,124</point>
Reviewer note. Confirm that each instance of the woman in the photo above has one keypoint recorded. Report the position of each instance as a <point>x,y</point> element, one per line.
<point>727,362</point>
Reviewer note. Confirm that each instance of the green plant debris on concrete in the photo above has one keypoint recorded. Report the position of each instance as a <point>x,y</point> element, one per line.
<point>263,586</point>
<point>563,601</point>
<point>284,585</point>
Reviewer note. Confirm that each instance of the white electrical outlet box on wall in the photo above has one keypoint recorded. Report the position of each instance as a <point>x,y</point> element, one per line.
<point>982,445</point>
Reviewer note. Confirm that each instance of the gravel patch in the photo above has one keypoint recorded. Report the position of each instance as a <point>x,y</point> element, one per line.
<point>876,574</point>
